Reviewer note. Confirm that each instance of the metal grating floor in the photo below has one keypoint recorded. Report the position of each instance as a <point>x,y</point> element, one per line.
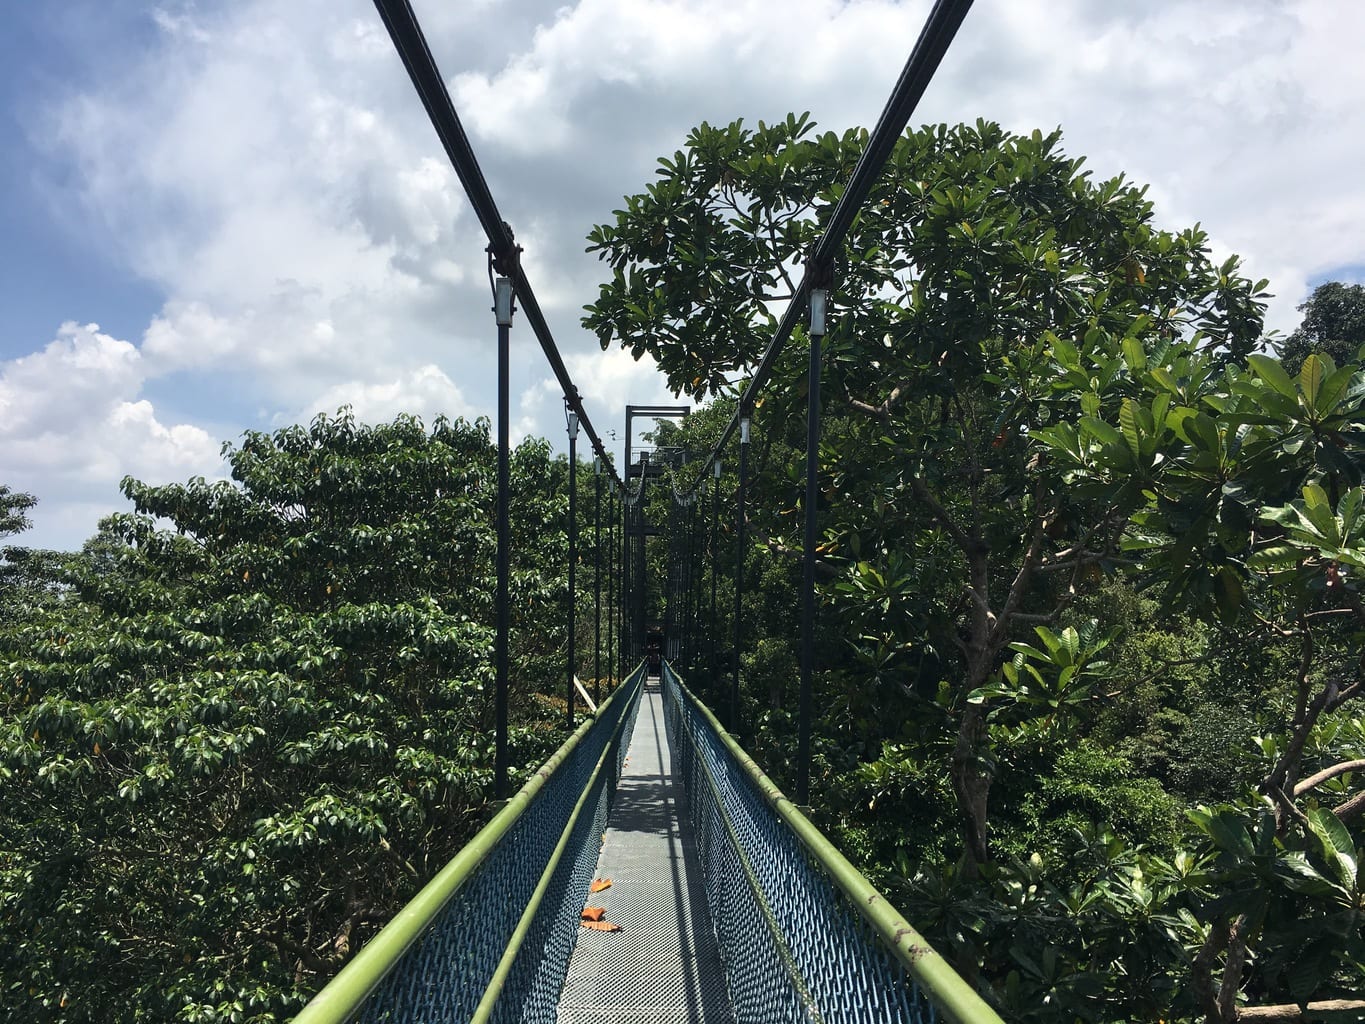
<point>663,965</point>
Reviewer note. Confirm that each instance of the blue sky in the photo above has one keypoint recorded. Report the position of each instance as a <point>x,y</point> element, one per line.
<point>245,197</point>
<point>50,275</point>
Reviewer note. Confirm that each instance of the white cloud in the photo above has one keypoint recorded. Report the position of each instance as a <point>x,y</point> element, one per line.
<point>426,392</point>
<point>72,425</point>
<point>269,169</point>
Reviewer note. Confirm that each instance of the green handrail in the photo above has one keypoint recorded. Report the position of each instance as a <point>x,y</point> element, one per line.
<point>957,1000</point>
<point>484,1011</point>
<point>341,997</point>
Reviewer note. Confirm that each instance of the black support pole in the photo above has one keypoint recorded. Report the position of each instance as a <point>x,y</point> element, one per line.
<point>611,581</point>
<point>502,296</point>
<point>711,673</point>
<point>817,330</point>
<point>597,580</point>
<point>573,561</point>
<point>627,582</point>
<point>740,553</point>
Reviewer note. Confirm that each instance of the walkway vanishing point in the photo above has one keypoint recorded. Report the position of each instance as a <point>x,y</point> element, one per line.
<point>731,905</point>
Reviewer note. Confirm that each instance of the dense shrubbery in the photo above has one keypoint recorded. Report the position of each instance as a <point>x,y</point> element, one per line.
<point>239,741</point>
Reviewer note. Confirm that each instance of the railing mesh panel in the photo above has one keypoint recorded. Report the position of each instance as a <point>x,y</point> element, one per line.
<point>442,977</point>
<point>795,948</point>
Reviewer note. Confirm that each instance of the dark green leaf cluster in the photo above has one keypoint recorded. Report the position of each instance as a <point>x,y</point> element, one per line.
<point>264,723</point>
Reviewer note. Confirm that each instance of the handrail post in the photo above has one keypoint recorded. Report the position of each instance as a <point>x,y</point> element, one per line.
<point>572,418</point>
<point>740,554</point>
<point>502,308</point>
<point>818,297</point>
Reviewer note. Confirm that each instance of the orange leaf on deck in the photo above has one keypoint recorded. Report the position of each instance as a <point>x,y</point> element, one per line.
<point>601,926</point>
<point>592,913</point>
<point>598,884</point>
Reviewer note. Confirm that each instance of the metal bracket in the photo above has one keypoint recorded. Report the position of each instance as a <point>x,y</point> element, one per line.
<point>819,275</point>
<point>505,260</point>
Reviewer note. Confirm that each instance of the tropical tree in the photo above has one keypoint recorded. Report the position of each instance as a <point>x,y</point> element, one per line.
<point>1333,325</point>
<point>260,728</point>
<point>988,290</point>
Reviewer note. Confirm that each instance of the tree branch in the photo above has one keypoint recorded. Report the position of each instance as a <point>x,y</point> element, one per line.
<point>823,567</point>
<point>1292,1013</point>
<point>1351,808</point>
<point>1015,596</point>
<point>967,542</point>
<point>1232,970</point>
<point>1201,980</point>
<point>881,412</point>
<point>1340,768</point>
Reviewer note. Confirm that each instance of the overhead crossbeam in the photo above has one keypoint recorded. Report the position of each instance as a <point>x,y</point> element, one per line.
<point>412,47</point>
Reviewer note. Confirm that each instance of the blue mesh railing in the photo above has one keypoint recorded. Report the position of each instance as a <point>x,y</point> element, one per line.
<point>489,938</point>
<point>804,937</point>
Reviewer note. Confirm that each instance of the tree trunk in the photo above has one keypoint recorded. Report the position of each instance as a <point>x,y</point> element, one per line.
<point>972,784</point>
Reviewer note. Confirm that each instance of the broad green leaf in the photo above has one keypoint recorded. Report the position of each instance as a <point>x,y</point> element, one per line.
<point>1319,513</point>
<point>1128,424</point>
<point>1270,371</point>
<point>1348,510</point>
<point>1275,556</point>
<point>1101,431</point>
<point>1134,356</point>
<point>1065,353</point>
<point>1337,846</point>
<point>1332,390</point>
<point>1163,377</point>
<point>1314,371</point>
<point>1202,432</point>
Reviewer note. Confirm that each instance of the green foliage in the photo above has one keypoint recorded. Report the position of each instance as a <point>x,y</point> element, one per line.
<point>1090,787</point>
<point>259,730</point>
<point>1034,399</point>
<point>1333,325</point>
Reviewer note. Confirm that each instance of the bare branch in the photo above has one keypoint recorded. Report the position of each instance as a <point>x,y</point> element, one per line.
<point>1293,1013</point>
<point>824,568</point>
<point>1201,982</point>
<point>1015,596</point>
<point>967,542</point>
<point>1328,613</point>
<point>1340,768</point>
<point>889,403</point>
<point>1031,618</point>
<point>397,858</point>
<point>1351,808</point>
<point>1232,970</point>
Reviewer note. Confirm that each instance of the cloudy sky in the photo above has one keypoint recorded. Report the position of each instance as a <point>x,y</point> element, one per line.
<point>225,216</point>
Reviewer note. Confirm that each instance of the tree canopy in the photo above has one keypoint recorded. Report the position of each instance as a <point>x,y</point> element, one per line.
<point>1333,325</point>
<point>254,731</point>
<point>1035,399</point>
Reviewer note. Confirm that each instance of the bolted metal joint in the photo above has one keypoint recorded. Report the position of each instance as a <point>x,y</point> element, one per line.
<point>506,259</point>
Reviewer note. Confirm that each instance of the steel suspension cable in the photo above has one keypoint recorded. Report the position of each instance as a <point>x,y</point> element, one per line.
<point>412,47</point>
<point>938,32</point>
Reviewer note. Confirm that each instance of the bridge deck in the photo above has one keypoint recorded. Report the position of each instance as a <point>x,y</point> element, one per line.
<point>663,965</point>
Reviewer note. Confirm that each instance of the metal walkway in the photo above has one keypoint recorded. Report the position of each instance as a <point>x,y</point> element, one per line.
<point>664,964</point>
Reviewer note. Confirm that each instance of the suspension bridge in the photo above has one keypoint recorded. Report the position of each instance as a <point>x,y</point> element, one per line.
<point>650,870</point>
